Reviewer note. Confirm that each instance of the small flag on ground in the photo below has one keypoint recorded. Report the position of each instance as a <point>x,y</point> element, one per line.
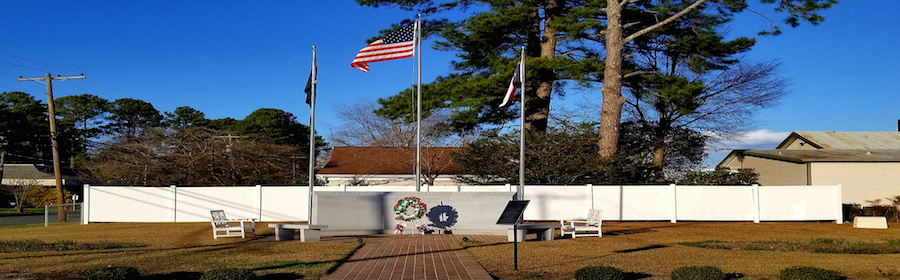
<point>513,86</point>
<point>397,45</point>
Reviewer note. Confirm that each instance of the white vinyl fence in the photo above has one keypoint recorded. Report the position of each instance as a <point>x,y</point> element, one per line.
<point>623,203</point>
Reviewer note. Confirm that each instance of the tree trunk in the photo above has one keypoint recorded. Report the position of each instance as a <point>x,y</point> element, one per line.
<point>611,110</point>
<point>659,153</point>
<point>537,100</point>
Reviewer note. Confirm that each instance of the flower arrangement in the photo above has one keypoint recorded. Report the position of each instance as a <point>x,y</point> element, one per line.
<point>410,208</point>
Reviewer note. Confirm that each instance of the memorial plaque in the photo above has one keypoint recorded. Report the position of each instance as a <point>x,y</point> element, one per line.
<point>512,212</point>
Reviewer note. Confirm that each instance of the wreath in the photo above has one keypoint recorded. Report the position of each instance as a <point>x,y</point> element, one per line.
<point>443,216</point>
<point>410,208</point>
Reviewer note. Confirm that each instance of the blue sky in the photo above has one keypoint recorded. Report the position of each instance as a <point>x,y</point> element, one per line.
<point>229,58</point>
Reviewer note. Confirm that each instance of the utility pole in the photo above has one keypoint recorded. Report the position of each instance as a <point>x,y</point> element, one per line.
<point>2,160</point>
<point>57,174</point>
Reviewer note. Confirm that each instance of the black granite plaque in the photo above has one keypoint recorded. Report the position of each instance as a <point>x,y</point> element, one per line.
<point>512,212</point>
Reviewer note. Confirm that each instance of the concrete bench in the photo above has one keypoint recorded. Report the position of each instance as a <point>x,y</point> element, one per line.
<point>870,222</point>
<point>308,233</point>
<point>544,231</point>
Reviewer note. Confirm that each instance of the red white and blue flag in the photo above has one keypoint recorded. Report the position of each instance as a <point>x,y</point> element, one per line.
<point>399,44</point>
<point>513,85</point>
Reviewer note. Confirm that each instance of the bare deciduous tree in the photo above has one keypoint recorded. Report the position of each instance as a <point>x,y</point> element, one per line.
<point>20,186</point>
<point>722,104</point>
<point>198,156</point>
<point>361,127</point>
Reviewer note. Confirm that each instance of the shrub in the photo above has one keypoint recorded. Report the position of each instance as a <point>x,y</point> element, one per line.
<point>698,273</point>
<point>228,274</point>
<point>721,176</point>
<point>112,273</point>
<point>809,273</point>
<point>599,273</point>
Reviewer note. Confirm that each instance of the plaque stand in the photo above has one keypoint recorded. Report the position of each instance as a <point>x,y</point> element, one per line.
<point>512,214</point>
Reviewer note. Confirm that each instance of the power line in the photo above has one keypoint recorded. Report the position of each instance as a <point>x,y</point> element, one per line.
<point>41,63</point>
<point>37,93</point>
<point>57,67</point>
<point>25,91</point>
<point>11,74</point>
<point>26,67</point>
<point>109,86</point>
<point>77,83</point>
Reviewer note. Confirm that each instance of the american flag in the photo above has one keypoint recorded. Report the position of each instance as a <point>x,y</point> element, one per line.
<point>397,45</point>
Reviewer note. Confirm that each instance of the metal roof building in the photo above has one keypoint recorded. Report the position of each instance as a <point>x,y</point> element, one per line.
<point>866,164</point>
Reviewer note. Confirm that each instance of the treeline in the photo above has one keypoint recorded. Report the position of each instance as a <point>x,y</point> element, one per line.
<point>128,141</point>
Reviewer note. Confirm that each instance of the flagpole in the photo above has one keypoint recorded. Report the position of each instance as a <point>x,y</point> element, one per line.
<point>521,191</point>
<point>418,41</point>
<point>312,137</point>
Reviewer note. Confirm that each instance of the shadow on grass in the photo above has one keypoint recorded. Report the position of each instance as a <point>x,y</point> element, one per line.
<point>629,231</point>
<point>360,243</point>
<point>651,247</point>
<point>174,276</point>
<point>197,275</point>
<point>636,275</point>
<point>280,276</point>
<point>200,248</point>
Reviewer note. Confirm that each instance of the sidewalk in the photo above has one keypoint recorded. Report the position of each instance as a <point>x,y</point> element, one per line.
<point>432,256</point>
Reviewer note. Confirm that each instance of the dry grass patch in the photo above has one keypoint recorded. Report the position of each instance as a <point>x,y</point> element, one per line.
<point>165,249</point>
<point>656,248</point>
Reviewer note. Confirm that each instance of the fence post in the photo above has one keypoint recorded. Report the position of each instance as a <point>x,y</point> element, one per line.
<point>259,205</point>
<point>591,191</point>
<point>85,210</point>
<point>621,202</point>
<point>174,203</point>
<point>756,202</point>
<point>674,203</point>
<point>46,215</point>
<point>839,212</point>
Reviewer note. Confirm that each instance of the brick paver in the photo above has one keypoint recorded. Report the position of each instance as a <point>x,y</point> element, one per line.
<point>431,256</point>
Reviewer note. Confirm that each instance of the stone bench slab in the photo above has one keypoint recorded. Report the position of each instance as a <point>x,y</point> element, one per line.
<point>870,222</point>
<point>308,233</point>
<point>544,231</point>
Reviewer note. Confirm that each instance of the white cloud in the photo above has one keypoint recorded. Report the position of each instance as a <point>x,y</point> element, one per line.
<point>758,139</point>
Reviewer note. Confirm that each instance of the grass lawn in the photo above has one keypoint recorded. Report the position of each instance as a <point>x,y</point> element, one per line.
<point>654,249</point>
<point>651,249</point>
<point>167,249</point>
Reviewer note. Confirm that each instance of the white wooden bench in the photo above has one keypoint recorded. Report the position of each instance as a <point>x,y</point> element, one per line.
<point>588,227</point>
<point>223,227</point>
<point>308,233</point>
<point>543,231</point>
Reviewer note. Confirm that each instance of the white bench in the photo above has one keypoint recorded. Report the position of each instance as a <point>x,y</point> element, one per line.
<point>544,231</point>
<point>308,233</point>
<point>224,227</point>
<point>591,226</point>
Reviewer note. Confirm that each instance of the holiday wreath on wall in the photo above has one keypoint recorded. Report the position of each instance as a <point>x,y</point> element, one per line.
<point>410,208</point>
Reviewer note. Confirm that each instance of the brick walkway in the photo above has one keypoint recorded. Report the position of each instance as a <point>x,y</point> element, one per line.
<point>430,256</point>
